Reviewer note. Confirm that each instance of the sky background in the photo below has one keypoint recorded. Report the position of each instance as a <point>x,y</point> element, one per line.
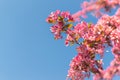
<point>28,50</point>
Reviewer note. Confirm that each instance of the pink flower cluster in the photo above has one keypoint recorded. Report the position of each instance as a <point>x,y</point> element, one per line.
<point>96,6</point>
<point>61,22</point>
<point>79,66</point>
<point>83,64</point>
<point>95,39</point>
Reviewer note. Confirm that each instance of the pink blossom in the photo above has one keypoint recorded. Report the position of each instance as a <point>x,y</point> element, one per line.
<point>96,38</point>
<point>95,6</point>
<point>53,16</point>
<point>65,14</point>
<point>56,30</point>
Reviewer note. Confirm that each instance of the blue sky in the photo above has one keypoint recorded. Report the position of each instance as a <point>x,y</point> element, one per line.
<point>27,48</point>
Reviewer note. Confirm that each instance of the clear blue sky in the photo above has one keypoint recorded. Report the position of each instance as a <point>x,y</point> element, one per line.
<point>27,48</point>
